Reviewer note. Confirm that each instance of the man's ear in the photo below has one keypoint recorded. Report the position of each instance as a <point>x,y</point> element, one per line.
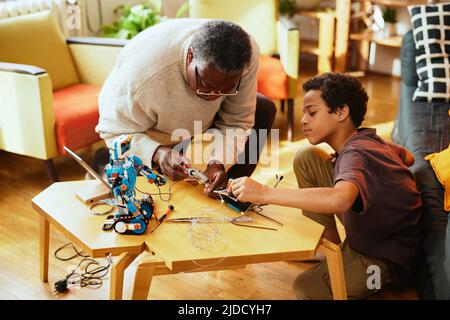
<point>343,112</point>
<point>190,56</point>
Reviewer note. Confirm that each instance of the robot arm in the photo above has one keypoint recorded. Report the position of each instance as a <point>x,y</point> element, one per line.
<point>153,176</point>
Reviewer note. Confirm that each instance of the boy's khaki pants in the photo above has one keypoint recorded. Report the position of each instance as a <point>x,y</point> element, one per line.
<point>363,275</point>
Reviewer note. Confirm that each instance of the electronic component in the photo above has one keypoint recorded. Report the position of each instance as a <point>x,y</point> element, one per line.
<point>232,201</point>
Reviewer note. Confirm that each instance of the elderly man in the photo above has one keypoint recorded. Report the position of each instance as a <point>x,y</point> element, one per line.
<point>179,72</point>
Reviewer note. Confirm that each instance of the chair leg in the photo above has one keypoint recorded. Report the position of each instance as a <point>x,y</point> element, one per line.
<point>333,254</point>
<point>290,119</point>
<point>282,105</point>
<point>51,170</point>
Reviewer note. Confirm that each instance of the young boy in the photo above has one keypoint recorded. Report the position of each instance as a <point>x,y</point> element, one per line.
<point>366,183</point>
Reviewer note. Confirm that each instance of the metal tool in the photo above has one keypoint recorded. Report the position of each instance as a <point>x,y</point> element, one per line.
<point>198,175</point>
<point>211,219</point>
<point>238,221</point>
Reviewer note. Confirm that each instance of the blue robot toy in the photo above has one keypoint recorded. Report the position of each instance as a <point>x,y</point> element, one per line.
<point>133,214</point>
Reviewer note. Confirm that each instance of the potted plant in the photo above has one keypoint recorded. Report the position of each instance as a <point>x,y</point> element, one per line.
<point>134,19</point>
<point>287,7</point>
<point>390,20</point>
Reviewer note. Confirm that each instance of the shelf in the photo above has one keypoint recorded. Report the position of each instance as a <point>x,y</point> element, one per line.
<point>315,14</point>
<point>394,3</point>
<point>323,48</point>
<point>395,41</point>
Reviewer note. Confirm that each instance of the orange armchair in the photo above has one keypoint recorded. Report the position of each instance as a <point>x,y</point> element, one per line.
<point>49,87</point>
<point>277,77</point>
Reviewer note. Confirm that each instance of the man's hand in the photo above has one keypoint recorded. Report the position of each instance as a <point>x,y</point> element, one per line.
<point>172,163</point>
<point>248,190</point>
<point>217,177</point>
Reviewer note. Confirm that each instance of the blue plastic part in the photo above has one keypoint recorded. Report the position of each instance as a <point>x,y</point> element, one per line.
<point>121,172</point>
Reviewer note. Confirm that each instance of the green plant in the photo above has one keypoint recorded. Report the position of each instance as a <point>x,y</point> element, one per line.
<point>134,19</point>
<point>390,15</point>
<point>286,7</point>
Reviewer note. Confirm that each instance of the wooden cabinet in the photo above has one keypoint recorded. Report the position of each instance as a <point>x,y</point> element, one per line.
<point>324,47</point>
<point>338,33</point>
<point>332,45</point>
<point>359,36</point>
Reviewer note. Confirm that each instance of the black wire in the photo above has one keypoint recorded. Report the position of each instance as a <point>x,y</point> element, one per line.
<point>77,253</point>
<point>92,275</point>
<point>159,192</point>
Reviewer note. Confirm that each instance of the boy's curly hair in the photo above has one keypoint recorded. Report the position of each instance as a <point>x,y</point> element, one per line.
<point>338,89</point>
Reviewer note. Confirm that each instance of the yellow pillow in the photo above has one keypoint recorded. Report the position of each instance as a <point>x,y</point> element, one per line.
<point>441,166</point>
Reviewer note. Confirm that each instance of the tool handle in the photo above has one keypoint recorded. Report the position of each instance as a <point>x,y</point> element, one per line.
<point>164,216</point>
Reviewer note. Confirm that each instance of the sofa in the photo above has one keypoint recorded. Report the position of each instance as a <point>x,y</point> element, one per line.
<point>49,87</point>
<point>424,128</point>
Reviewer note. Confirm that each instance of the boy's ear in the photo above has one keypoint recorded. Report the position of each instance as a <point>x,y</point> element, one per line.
<point>190,56</point>
<point>343,112</point>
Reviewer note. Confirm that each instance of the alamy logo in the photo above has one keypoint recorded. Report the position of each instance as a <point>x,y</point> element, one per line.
<point>73,21</point>
<point>224,146</point>
<point>374,280</point>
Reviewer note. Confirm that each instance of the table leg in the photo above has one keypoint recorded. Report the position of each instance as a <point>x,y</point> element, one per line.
<point>333,254</point>
<point>145,271</point>
<point>44,237</point>
<point>142,282</point>
<point>117,271</point>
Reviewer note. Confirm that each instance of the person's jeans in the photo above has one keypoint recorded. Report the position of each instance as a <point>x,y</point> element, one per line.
<point>447,256</point>
<point>434,268</point>
<point>264,117</point>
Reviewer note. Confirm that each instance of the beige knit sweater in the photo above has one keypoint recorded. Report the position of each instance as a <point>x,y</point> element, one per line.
<point>147,94</point>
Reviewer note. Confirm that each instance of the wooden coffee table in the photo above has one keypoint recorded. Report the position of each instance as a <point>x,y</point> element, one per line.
<point>179,247</point>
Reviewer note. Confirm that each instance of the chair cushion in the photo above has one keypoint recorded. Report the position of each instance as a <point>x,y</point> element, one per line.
<point>272,80</point>
<point>76,115</point>
<point>35,39</point>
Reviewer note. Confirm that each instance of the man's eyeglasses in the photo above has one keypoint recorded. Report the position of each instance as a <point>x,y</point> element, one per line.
<point>215,93</point>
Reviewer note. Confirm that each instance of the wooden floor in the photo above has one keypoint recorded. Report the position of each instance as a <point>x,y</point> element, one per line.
<point>21,178</point>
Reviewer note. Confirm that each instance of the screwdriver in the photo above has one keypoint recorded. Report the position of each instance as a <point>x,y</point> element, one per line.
<point>163,217</point>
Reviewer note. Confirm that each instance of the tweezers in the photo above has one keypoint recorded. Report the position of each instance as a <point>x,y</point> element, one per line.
<point>238,221</point>
<point>211,219</point>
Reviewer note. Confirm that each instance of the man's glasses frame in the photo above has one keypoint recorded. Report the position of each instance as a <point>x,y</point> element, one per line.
<point>214,93</point>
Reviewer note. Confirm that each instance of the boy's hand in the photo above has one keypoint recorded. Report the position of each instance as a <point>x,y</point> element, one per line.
<point>247,190</point>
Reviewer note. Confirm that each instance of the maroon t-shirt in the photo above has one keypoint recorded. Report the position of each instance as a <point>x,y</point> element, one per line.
<point>383,222</point>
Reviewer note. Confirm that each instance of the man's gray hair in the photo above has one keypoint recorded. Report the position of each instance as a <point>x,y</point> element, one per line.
<point>223,44</point>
